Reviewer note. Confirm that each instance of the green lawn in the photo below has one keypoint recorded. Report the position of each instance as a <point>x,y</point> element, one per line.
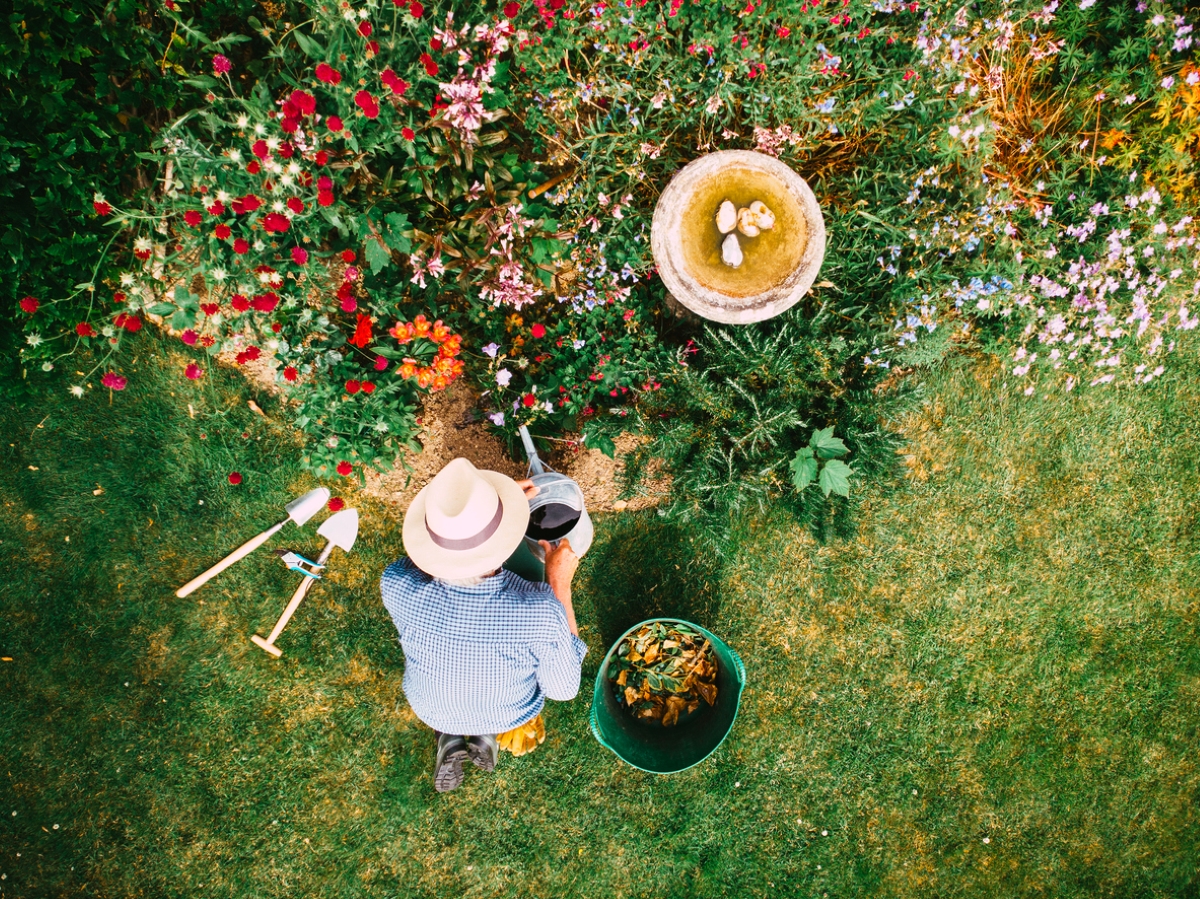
<point>991,691</point>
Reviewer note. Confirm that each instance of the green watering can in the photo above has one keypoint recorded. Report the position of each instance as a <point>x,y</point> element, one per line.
<point>649,746</point>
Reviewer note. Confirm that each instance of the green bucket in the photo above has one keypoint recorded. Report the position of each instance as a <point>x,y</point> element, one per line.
<point>649,746</point>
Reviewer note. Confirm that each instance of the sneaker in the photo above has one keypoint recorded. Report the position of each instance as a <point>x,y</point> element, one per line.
<point>483,750</point>
<point>451,753</point>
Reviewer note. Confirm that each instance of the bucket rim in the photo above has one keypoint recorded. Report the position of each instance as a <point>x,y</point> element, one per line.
<point>593,718</point>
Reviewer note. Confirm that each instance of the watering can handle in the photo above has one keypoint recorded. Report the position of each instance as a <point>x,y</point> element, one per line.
<point>535,464</point>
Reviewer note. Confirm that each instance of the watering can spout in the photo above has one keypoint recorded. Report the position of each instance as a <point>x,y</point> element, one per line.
<point>535,464</point>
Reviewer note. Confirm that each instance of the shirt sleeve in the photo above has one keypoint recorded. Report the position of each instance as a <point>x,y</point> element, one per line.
<point>559,663</point>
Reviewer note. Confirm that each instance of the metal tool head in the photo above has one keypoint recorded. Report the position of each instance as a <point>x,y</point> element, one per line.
<point>341,529</point>
<point>302,508</point>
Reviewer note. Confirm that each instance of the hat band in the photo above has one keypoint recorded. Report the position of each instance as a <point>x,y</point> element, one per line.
<point>468,542</point>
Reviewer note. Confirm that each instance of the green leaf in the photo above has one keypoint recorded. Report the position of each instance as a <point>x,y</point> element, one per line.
<point>826,445</point>
<point>313,49</point>
<point>804,468</point>
<point>835,477</point>
<point>603,443</point>
<point>387,352</point>
<point>377,256</point>
<point>161,309</point>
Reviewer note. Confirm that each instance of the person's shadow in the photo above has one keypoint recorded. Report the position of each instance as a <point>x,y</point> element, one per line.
<point>641,567</point>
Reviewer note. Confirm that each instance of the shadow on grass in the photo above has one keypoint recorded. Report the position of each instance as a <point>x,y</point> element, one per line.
<point>644,567</point>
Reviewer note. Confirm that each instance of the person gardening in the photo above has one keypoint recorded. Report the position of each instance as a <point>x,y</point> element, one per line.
<point>483,648</point>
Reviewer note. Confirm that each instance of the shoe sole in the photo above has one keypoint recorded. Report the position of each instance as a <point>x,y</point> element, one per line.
<point>481,757</point>
<point>449,774</point>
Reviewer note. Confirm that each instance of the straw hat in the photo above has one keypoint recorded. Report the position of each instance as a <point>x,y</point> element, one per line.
<point>465,522</point>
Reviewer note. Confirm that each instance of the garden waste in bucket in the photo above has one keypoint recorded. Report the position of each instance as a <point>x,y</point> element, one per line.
<point>649,746</point>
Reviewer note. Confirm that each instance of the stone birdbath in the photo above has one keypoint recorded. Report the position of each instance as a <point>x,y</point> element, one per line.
<point>699,263</point>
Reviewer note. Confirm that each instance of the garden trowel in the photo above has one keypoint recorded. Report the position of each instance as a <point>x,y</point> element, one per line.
<point>299,510</point>
<point>340,530</point>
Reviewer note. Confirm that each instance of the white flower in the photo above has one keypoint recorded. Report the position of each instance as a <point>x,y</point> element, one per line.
<point>108,330</point>
<point>48,366</point>
<point>235,155</point>
<point>223,196</point>
<point>35,339</point>
<point>277,206</point>
<point>348,15</point>
<point>142,244</point>
<point>549,407</point>
<point>503,377</point>
<point>127,279</point>
<point>77,390</point>
<point>260,129</point>
<point>577,344</point>
<point>259,246</point>
<point>1168,82</point>
<point>243,121</point>
<point>713,104</point>
<point>293,168</point>
<point>286,181</point>
<point>219,274</point>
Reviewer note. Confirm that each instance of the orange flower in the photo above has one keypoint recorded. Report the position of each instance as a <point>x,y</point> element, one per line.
<point>440,332</point>
<point>441,382</point>
<point>362,331</point>
<point>402,331</point>
<point>425,377</point>
<point>422,326</point>
<point>408,370</point>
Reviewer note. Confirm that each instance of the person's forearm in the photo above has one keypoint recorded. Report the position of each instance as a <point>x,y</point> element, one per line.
<point>563,592</point>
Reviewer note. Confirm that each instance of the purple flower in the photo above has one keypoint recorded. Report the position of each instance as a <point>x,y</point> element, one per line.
<point>496,418</point>
<point>491,349</point>
<point>221,64</point>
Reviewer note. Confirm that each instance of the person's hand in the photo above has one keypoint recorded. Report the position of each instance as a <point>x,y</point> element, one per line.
<point>530,488</point>
<point>561,563</point>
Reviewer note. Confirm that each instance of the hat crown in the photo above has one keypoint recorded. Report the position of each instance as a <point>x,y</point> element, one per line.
<point>460,502</point>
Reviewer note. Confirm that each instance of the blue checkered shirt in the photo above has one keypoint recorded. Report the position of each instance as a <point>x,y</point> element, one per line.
<point>481,659</point>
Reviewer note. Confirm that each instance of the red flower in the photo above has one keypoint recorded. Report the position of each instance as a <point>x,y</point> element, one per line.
<point>320,159</point>
<point>289,126</point>
<point>259,149</point>
<point>407,133</point>
<point>113,381</point>
<point>241,246</point>
<point>130,323</point>
<point>435,44</point>
<point>295,204</point>
<point>364,28</point>
<point>324,183</point>
<point>193,372</point>
<point>249,354</point>
<point>337,504</point>
<point>364,101</point>
<point>511,9</point>
<point>248,203</point>
<point>83,329</point>
<point>286,150</point>
<point>381,363</point>
<point>910,74</point>
<point>118,297</point>
<point>344,468</point>
<point>328,74</point>
<point>348,256</point>
<point>431,68</point>
<point>538,330</point>
<point>239,303</point>
<point>325,197</point>
<point>349,304</point>
<point>217,208</point>
<point>299,255</point>
<point>101,205</point>
<point>265,302</point>
<point>528,400</point>
<point>29,305</point>
<point>333,123</point>
<point>253,168</point>
<point>290,373</point>
<point>416,9</point>
<point>275,222</point>
<point>368,387</point>
<point>362,331</point>
<point>397,84</point>
<point>210,308</point>
<point>193,218</point>
<point>235,478</point>
<point>352,386</point>
<point>372,49</point>
<point>303,101</point>
<point>221,64</point>
<point>221,232</point>
<point>189,337</point>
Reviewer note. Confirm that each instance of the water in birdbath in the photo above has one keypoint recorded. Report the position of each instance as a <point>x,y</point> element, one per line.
<point>768,258</point>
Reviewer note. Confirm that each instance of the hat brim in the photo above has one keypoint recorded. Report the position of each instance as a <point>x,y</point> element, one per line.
<point>490,555</point>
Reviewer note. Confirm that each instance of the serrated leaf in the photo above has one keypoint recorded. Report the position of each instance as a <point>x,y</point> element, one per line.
<point>377,256</point>
<point>804,468</point>
<point>835,477</point>
<point>826,445</point>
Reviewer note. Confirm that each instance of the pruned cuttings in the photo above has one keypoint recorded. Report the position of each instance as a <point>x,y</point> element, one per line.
<point>663,671</point>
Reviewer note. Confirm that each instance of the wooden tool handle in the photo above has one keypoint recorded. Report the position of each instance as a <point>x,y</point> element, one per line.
<point>237,555</point>
<point>297,598</point>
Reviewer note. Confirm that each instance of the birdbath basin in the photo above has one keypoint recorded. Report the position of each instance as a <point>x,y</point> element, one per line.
<point>779,265</point>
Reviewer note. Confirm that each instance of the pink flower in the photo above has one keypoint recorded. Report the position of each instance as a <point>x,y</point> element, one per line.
<point>221,64</point>
<point>235,477</point>
<point>29,305</point>
<point>349,304</point>
<point>113,381</point>
<point>189,337</point>
<point>381,363</point>
<point>299,255</point>
<point>351,273</point>
<point>193,372</point>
